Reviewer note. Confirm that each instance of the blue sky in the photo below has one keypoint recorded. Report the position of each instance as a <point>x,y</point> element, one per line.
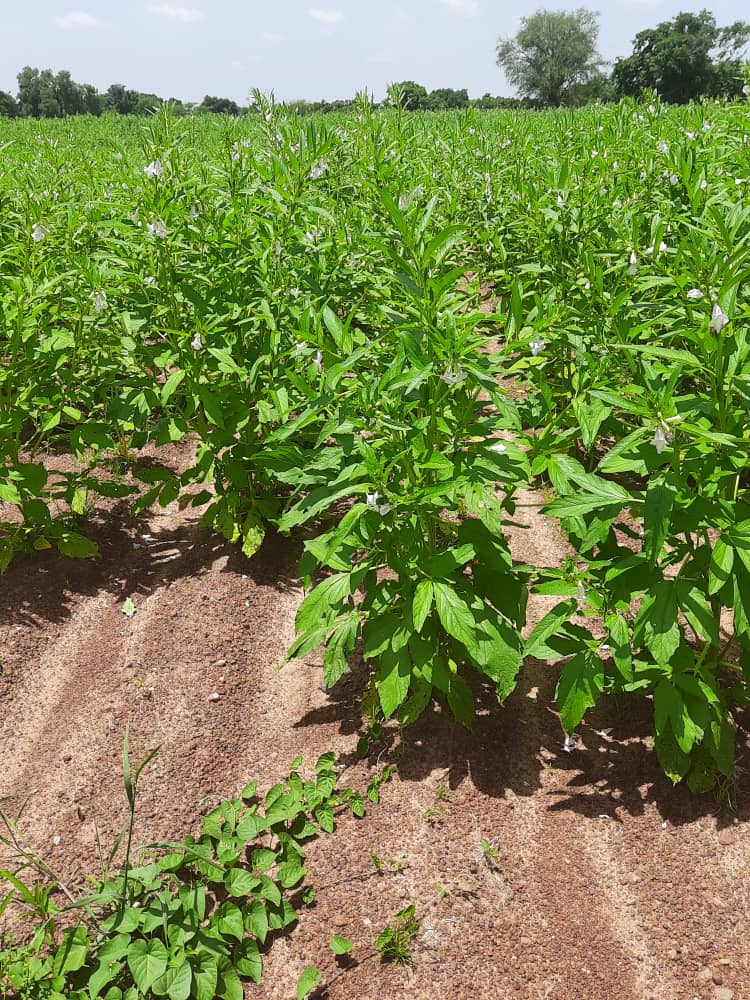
<point>313,49</point>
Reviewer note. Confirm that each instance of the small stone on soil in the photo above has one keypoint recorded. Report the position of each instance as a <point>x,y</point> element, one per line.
<point>214,697</point>
<point>727,838</point>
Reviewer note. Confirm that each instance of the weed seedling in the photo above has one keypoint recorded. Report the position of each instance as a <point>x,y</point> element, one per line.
<point>395,941</point>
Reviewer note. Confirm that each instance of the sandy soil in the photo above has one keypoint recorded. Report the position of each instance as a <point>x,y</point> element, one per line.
<point>608,882</point>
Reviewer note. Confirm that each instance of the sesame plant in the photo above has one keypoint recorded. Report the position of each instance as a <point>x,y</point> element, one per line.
<point>372,330</point>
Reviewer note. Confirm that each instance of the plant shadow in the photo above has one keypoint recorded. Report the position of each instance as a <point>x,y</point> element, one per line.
<point>515,749</point>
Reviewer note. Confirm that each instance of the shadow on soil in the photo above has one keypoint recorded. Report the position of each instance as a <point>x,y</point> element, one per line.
<point>135,558</point>
<point>513,746</point>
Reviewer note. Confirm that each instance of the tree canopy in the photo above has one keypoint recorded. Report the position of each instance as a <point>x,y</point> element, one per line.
<point>553,56</point>
<point>685,58</point>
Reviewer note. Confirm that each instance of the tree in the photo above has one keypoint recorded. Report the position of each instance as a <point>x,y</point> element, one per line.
<point>28,92</point>
<point>8,106</point>
<point>552,56</point>
<point>121,100</point>
<point>685,58</point>
<point>219,106</point>
<point>413,96</point>
<point>446,98</point>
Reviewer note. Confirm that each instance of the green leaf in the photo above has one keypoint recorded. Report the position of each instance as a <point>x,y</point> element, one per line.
<point>619,638</point>
<point>205,976</point>
<point>720,567</point>
<point>77,546</point>
<point>578,689</point>
<point>461,701</point>
<point>674,761</point>
<point>697,611</point>
<point>256,919</point>
<point>147,960</point>
<point>73,951</point>
<point>670,707</point>
<point>392,680</point>
<point>536,644</point>
<point>310,979</point>
<point>176,983</point>
<point>660,498</point>
<point>340,945</point>
<point>238,882</point>
<point>660,624</point>
<point>422,603</point>
<point>248,960</point>
<point>328,593</point>
<point>228,920</point>
<point>596,495</point>
<point>454,613</point>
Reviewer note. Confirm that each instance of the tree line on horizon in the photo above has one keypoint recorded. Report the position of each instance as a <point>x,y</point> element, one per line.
<point>552,61</point>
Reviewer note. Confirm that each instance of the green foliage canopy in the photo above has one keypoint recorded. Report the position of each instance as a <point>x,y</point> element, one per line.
<point>552,56</point>
<point>684,59</point>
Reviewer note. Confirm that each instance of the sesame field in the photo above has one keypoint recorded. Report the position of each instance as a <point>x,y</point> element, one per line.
<point>375,550</point>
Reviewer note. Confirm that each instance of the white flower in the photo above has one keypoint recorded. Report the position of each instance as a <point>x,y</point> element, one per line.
<point>295,293</point>
<point>452,376</point>
<point>674,180</point>
<point>318,360</point>
<point>746,90</point>
<point>318,169</point>
<point>581,593</point>
<point>594,153</point>
<point>703,184</point>
<point>196,343</point>
<point>633,266</point>
<point>154,169</point>
<point>371,499</point>
<point>719,319</point>
<point>299,348</point>
<point>402,203</point>
<point>662,248</point>
<point>100,301</point>
<point>537,346</point>
<point>157,228</point>
<point>661,439</point>
<point>38,233</point>
<point>662,147</point>
<point>644,175</point>
<point>571,742</point>
<point>694,294</point>
<point>118,156</point>
<point>499,448</point>
<point>193,213</point>
<point>706,127</point>
<point>560,201</point>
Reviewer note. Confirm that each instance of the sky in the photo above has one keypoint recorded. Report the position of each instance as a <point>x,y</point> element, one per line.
<point>314,49</point>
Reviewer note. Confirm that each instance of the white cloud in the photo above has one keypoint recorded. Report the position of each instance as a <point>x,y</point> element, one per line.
<point>469,8</point>
<point>325,16</point>
<point>187,15</point>
<point>76,19</point>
